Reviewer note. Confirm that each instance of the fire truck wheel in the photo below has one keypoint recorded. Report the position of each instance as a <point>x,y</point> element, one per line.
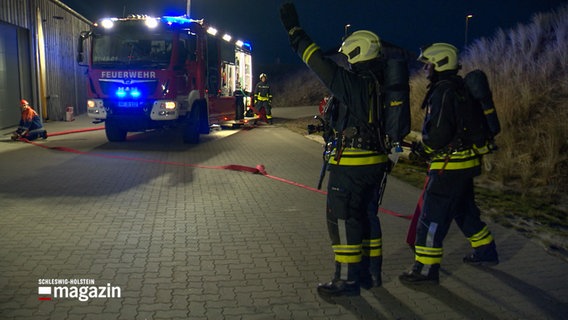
<point>114,132</point>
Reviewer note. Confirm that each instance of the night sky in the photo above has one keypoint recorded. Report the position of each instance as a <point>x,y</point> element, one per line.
<point>407,23</point>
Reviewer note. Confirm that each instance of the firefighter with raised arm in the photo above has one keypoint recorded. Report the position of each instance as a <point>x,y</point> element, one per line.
<point>358,162</point>
<point>263,98</point>
<point>449,193</point>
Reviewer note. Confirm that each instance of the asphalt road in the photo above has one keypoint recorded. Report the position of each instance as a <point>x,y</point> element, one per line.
<point>183,235</point>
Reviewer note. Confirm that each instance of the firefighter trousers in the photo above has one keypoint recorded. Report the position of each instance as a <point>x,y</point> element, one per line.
<point>448,196</point>
<point>352,221</point>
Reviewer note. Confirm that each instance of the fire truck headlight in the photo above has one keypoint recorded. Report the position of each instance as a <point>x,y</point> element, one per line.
<point>168,105</point>
<point>91,104</point>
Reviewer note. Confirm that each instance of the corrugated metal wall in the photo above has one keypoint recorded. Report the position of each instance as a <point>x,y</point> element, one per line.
<point>65,80</point>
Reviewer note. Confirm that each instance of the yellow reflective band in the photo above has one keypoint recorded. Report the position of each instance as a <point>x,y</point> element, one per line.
<point>359,157</point>
<point>347,253</point>
<point>395,103</point>
<point>372,242</point>
<point>458,160</point>
<point>372,247</point>
<point>308,52</point>
<point>261,98</point>
<point>348,259</point>
<point>428,260</point>
<point>489,111</point>
<point>377,252</point>
<point>427,255</point>
<point>438,165</point>
<point>481,238</point>
<point>428,251</point>
<point>346,248</point>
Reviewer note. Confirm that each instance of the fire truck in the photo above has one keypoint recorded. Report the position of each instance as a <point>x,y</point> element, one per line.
<point>146,73</point>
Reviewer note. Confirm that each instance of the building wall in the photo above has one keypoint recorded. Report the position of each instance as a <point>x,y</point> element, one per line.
<point>49,76</point>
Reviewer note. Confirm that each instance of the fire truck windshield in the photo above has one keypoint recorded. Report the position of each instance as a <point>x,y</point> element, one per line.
<point>132,46</point>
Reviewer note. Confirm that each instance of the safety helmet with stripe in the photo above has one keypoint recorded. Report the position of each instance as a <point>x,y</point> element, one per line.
<point>443,56</point>
<point>361,46</point>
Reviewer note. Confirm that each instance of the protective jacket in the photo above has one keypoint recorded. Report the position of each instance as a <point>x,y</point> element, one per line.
<point>440,127</point>
<point>30,125</point>
<point>262,91</point>
<point>358,133</point>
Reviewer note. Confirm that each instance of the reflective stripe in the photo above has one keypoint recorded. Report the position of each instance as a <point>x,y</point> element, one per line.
<point>347,253</point>
<point>458,160</point>
<point>372,247</point>
<point>308,52</point>
<point>359,157</point>
<point>431,234</point>
<point>481,238</point>
<point>342,233</point>
<point>427,255</point>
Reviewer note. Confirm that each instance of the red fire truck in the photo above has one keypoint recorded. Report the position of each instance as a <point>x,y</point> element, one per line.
<point>146,73</point>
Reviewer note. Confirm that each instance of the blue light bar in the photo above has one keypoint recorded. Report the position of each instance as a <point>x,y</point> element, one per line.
<point>247,45</point>
<point>177,20</point>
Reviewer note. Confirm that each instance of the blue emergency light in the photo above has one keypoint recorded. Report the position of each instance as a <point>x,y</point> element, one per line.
<point>124,92</point>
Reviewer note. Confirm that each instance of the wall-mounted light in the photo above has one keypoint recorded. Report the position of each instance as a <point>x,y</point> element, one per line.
<point>107,23</point>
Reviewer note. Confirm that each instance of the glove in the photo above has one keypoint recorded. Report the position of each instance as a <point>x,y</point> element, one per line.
<point>289,16</point>
<point>417,151</point>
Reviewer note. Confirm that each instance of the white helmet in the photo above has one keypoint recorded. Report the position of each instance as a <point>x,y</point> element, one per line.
<point>262,75</point>
<point>443,56</point>
<point>360,46</point>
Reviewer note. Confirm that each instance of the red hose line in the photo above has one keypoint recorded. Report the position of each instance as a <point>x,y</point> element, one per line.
<point>259,169</point>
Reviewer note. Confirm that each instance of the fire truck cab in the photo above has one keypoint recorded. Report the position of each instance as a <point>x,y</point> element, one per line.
<point>146,73</point>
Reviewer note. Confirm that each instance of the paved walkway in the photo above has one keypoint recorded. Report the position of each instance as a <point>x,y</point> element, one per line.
<point>180,240</point>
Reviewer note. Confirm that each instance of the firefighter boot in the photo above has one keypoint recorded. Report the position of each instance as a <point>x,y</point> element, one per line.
<point>421,274</point>
<point>485,255</point>
<point>370,272</point>
<point>339,287</point>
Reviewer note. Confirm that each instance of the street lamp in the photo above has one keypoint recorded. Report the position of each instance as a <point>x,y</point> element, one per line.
<point>469,16</point>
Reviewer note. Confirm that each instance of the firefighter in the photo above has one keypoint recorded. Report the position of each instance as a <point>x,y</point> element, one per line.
<point>449,193</point>
<point>30,126</point>
<point>263,98</point>
<point>358,160</point>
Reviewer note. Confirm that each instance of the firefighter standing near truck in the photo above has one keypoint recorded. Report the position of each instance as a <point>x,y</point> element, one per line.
<point>263,99</point>
<point>449,193</point>
<point>358,161</point>
<point>30,127</point>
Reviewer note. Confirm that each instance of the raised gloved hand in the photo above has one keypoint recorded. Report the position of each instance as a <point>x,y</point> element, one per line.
<point>289,16</point>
